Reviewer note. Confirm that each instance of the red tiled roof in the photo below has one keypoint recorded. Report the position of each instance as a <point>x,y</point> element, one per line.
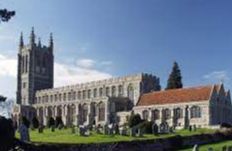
<point>176,96</point>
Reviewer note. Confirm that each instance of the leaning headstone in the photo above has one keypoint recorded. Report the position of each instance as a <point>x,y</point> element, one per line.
<point>116,129</point>
<point>24,133</point>
<point>140,132</point>
<point>224,148</point>
<point>195,148</point>
<point>105,129</point>
<point>132,132</point>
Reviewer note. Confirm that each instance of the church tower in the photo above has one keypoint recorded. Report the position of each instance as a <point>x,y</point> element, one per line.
<point>35,68</point>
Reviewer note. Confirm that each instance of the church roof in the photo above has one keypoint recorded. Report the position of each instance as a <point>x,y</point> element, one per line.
<point>191,94</point>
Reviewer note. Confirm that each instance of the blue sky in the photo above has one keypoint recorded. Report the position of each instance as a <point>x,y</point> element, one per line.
<point>104,38</point>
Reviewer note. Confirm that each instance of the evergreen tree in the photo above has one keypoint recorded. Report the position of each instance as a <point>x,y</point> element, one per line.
<point>175,78</point>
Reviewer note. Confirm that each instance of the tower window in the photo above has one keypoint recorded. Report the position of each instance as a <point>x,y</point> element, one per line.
<point>24,84</point>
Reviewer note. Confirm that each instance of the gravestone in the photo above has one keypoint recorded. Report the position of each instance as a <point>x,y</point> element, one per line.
<point>98,130</point>
<point>140,132</point>
<point>190,128</point>
<point>194,128</point>
<point>123,131</point>
<point>132,132</point>
<point>229,148</point>
<point>171,129</point>
<point>81,130</point>
<point>164,128</point>
<point>53,128</point>
<point>105,129</point>
<point>196,148</point>
<point>110,129</point>
<point>155,128</point>
<point>73,131</point>
<point>24,133</point>
<point>210,149</point>
<point>116,129</point>
<point>40,129</point>
<point>224,148</point>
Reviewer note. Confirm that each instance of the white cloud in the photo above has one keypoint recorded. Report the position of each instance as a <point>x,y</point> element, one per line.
<point>106,63</point>
<point>64,74</point>
<point>86,63</point>
<point>217,76</point>
<point>8,66</point>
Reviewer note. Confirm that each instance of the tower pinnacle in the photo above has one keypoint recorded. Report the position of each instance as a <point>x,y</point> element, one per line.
<point>32,36</point>
<point>21,43</point>
<point>39,42</point>
<point>51,41</point>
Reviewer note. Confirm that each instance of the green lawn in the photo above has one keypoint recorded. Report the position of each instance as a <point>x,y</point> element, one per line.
<point>65,136</point>
<point>215,146</point>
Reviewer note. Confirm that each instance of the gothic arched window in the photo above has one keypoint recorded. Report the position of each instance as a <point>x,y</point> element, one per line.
<point>107,91</point>
<point>178,113</point>
<point>145,114</point>
<point>95,93</point>
<point>130,92</point>
<point>64,97</point>
<point>89,94</point>
<point>120,90</point>
<point>26,65</point>
<point>100,92</point>
<point>69,96</point>
<point>195,112</point>
<point>101,111</point>
<point>155,114</point>
<point>83,94</point>
<point>166,114</point>
<point>79,95</point>
<point>84,112</point>
<point>113,89</point>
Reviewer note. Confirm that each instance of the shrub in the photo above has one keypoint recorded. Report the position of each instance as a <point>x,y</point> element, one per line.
<point>6,133</point>
<point>25,121</point>
<point>226,125</point>
<point>134,120</point>
<point>147,126</point>
<point>35,122</point>
<point>51,122</point>
<point>58,121</point>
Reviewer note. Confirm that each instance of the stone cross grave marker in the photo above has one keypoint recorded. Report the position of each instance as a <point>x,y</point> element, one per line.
<point>24,133</point>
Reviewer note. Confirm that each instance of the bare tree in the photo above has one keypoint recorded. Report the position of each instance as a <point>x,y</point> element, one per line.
<point>6,15</point>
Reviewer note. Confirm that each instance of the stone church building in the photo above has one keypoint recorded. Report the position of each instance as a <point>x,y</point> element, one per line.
<point>202,106</point>
<point>110,100</point>
<point>96,102</point>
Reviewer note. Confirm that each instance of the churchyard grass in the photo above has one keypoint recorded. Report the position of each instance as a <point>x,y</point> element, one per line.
<point>65,136</point>
<point>216,146</point>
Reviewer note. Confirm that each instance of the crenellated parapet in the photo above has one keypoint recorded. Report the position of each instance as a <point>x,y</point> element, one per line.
<point>128,86</point>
